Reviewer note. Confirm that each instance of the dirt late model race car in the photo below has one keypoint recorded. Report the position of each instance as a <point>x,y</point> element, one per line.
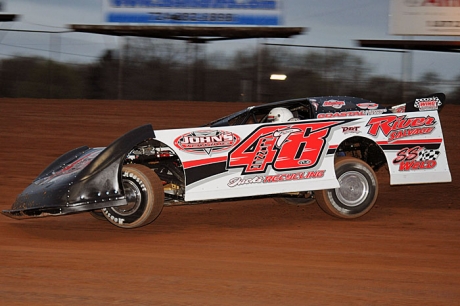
<point>321,148</point>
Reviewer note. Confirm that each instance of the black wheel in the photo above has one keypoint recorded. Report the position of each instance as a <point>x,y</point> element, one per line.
<point>357,193</point>
<point>145,195</point>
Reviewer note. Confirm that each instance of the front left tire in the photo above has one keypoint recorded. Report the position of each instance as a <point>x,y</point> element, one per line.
<point>144,194</point>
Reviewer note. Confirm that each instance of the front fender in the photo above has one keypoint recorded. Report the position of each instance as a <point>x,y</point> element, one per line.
<point>80,180</point>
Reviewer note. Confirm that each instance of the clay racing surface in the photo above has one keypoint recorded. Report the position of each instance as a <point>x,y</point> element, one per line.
<point>258,252</point>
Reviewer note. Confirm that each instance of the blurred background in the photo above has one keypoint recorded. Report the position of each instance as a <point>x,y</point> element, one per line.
<point>41,57</point>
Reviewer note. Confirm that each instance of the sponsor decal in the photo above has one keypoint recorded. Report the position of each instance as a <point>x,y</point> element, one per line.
<point>352,113</point>
<point>334,103</point>
<point>264,179</point>
<point>396,127</point>
<point>351,130</point>
<point>79,163</point>
<point>399,108</point>
<point>206,141</point>
<point>425,104</point>
<point>369,105</point>
<point>416,158</point>
<point>74,166</point>
<point>284,147</point>
<point>112,217</point>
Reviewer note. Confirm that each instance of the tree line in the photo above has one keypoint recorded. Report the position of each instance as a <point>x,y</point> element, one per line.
<point>143,70</point>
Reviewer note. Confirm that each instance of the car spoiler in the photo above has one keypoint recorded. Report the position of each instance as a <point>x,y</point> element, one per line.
<point>432,102</point>
<point>83,179</point>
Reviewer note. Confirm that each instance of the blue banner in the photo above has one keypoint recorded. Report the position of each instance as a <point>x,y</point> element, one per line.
<point>194,12</point>
<point>194,18</point>
<point>197,4</point>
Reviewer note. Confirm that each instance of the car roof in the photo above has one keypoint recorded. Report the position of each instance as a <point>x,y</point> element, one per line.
<point>312,105</point>
<point>257,109</point>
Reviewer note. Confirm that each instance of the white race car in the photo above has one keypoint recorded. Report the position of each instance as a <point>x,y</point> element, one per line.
<point>320,148</point>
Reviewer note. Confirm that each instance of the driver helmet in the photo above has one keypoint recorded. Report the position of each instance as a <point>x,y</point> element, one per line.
<point>279,114</point>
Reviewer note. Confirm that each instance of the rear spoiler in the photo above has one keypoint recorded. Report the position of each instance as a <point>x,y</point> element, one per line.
<point>433,102</point>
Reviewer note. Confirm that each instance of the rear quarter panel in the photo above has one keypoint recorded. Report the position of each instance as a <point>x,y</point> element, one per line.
<point>413,144</point>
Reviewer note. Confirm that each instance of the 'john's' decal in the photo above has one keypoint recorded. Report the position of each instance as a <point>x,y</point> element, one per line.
<point>206,141</point>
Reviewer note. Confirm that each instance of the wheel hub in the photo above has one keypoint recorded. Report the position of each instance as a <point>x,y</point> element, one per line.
<point>353,189</point>
<point>133,197</point>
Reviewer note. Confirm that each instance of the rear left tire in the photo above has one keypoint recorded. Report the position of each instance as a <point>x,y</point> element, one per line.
<point>357,192</point>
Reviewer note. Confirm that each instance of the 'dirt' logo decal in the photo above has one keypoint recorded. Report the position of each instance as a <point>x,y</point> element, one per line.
<point>206,141</point>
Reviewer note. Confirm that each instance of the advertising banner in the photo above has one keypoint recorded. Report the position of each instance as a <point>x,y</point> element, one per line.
<point>425,17</point>
<point>194,12</point>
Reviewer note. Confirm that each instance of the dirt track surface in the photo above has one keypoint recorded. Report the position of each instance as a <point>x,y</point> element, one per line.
<point>406,251</point>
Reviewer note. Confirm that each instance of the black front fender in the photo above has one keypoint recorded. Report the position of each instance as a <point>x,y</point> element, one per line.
<point>80,180</point>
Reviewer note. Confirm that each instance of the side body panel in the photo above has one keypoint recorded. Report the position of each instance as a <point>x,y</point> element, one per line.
<point>260,159</point>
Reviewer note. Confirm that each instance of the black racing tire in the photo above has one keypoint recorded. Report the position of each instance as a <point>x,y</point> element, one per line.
<point>145,195</point>
<point>357,193</point>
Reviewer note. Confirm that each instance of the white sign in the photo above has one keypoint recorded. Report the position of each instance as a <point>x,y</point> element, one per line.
<point>194,12</point>
<point>425,17</point>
